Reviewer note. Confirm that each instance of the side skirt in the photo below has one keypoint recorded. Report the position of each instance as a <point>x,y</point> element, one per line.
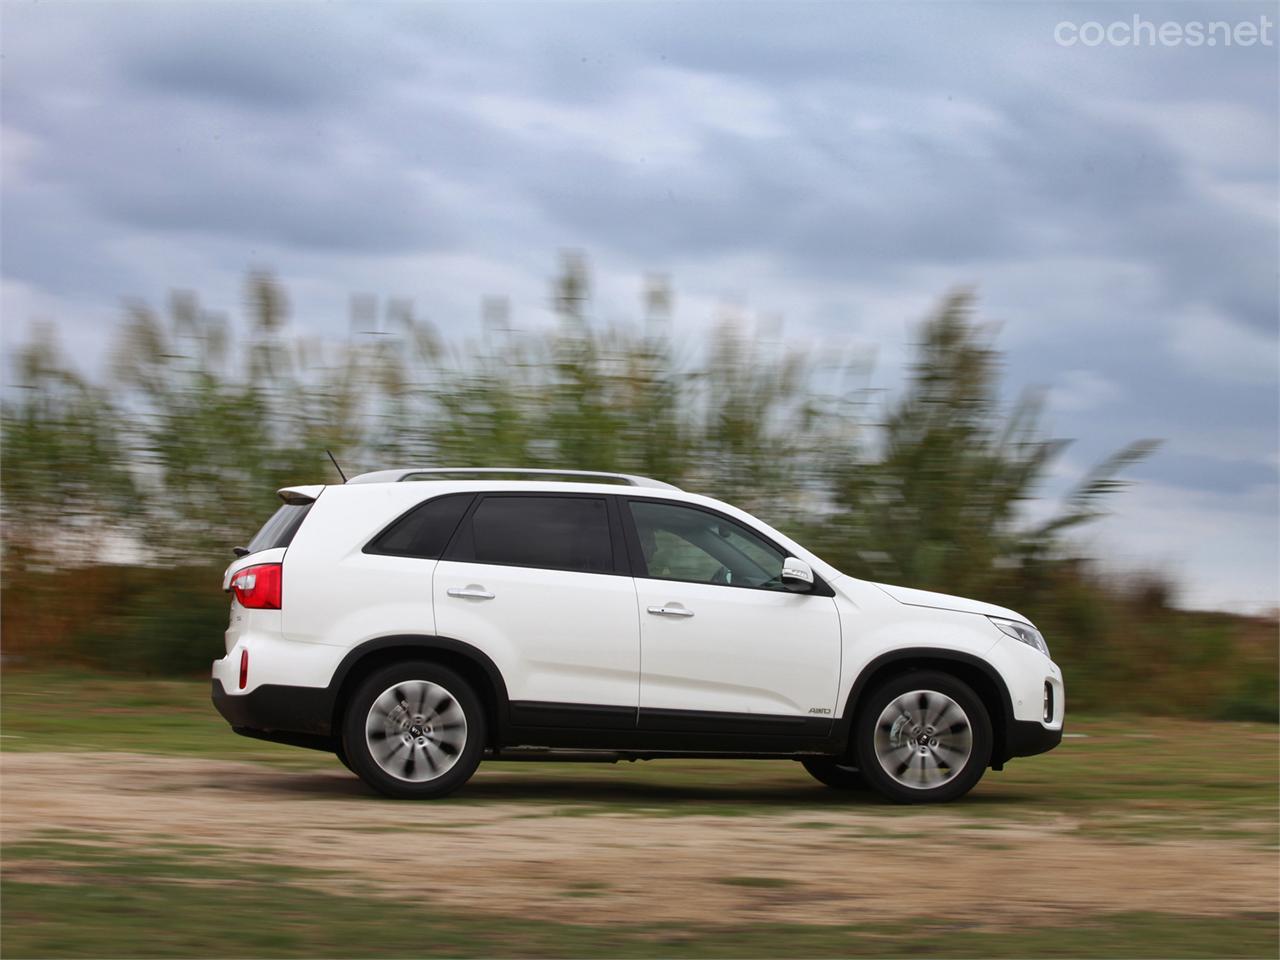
<point>565,755</point>
<point>666,733</point>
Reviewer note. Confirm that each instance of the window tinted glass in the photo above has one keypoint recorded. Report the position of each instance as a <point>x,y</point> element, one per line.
<point>425,530</point>
<point>558,533</point>
<point>681,543</point>
<point>279,530</point>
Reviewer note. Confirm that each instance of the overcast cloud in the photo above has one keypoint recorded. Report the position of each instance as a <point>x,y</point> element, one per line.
<point>840,164</point>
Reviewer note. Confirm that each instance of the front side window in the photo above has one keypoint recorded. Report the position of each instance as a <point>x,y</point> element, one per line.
<point>683,543</point>
<point>555,533</point>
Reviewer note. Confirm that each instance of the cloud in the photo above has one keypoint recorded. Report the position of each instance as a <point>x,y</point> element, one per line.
<point>269,59</point>
<point>1217,346</point>
<point>1078,391</point>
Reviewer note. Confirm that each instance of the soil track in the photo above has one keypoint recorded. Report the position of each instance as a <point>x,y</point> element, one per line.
<point>855,864</point>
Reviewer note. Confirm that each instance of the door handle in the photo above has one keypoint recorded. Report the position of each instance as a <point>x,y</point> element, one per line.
<point>472,591</point>
<point>673,611</point>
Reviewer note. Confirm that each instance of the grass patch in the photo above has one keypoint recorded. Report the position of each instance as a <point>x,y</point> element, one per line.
<point>105,901</point>
<point>585,888</point>
<point>128,714</point>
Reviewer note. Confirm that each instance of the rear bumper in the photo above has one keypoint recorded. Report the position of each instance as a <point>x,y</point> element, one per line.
<point>302,716</point>
<point>1026,738</point>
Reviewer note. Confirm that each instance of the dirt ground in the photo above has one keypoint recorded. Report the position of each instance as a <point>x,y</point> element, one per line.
<point>529,858</point>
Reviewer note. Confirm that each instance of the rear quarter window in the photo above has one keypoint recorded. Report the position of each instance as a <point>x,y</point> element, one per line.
<point>424,531</point>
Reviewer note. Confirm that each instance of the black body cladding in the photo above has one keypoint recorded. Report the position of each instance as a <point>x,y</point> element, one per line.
<point>305,716</point>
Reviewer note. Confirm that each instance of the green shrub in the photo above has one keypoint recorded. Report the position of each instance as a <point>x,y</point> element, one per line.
<point>127,619</point>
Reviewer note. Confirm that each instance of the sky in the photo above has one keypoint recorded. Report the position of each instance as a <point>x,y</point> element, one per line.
<point>840,166</point>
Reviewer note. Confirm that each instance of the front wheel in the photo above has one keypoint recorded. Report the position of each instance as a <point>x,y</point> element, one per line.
<point>923,737</point>
<point>414,731</point>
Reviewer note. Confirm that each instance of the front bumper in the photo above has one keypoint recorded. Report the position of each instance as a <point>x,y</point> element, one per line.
<point>1026,738</point>
<point>302,716</point>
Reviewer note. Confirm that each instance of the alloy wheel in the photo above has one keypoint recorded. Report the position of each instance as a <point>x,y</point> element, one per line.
<point>923,739</point>
<point>416,730</point>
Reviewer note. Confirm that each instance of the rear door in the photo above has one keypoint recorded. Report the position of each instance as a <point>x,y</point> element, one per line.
<point>726,648</point>
<point>540,582</point>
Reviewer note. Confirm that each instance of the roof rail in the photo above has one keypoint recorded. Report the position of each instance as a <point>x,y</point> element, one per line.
<point>432,473</point>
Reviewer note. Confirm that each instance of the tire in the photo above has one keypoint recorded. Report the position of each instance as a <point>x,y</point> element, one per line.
<point>840,776</point>
<point>340,752</point>
<point>908,756</point>
<point>414,731</point>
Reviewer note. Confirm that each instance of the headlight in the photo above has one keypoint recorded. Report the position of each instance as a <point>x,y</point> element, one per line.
<point>1022,631</point>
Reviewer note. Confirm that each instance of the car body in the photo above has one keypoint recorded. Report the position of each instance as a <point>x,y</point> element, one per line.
<point>607,617</point>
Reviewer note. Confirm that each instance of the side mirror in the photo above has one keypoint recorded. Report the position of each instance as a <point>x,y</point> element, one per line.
<point>797,576</point>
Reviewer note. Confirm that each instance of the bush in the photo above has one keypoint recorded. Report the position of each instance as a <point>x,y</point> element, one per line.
<point>128,619</point>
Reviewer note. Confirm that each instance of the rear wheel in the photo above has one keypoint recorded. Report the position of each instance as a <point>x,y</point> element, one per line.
<point>923,737</point>
<point>340,752</point>
<point>414,731</point>
<point>841,776</point>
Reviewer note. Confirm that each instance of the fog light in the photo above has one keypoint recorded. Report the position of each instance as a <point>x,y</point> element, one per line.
<point>1048,702</point>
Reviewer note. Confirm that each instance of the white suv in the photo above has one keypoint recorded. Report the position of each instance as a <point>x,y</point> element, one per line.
<point>414,628</point>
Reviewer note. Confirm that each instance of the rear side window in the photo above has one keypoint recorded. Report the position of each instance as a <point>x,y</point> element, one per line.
<point>425,530</point>
<point>279,530</point>
<point>555,533</point>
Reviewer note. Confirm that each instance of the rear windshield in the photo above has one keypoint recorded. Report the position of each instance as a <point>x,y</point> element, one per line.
<point>279,530</point>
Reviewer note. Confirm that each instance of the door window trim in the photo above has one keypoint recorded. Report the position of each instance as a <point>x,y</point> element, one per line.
<point>617,543</point>
<point>820,586</point>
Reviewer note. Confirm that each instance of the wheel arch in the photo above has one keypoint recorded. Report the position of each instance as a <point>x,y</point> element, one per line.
<point>980,675</point>
<point>474,665</point>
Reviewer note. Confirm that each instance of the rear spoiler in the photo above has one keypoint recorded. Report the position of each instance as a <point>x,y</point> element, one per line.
<point>300,495</point>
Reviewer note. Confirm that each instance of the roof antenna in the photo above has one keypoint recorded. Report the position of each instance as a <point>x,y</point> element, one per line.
<point>335,466</point>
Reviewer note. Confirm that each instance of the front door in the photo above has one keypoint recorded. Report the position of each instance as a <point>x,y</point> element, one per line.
<point>725,647</point>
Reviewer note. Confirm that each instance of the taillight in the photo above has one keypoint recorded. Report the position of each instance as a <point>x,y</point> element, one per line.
<point>258,587</point>
<point>244,669</point>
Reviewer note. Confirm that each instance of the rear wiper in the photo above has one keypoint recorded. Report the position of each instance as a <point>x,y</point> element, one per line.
<point>240,551</point>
